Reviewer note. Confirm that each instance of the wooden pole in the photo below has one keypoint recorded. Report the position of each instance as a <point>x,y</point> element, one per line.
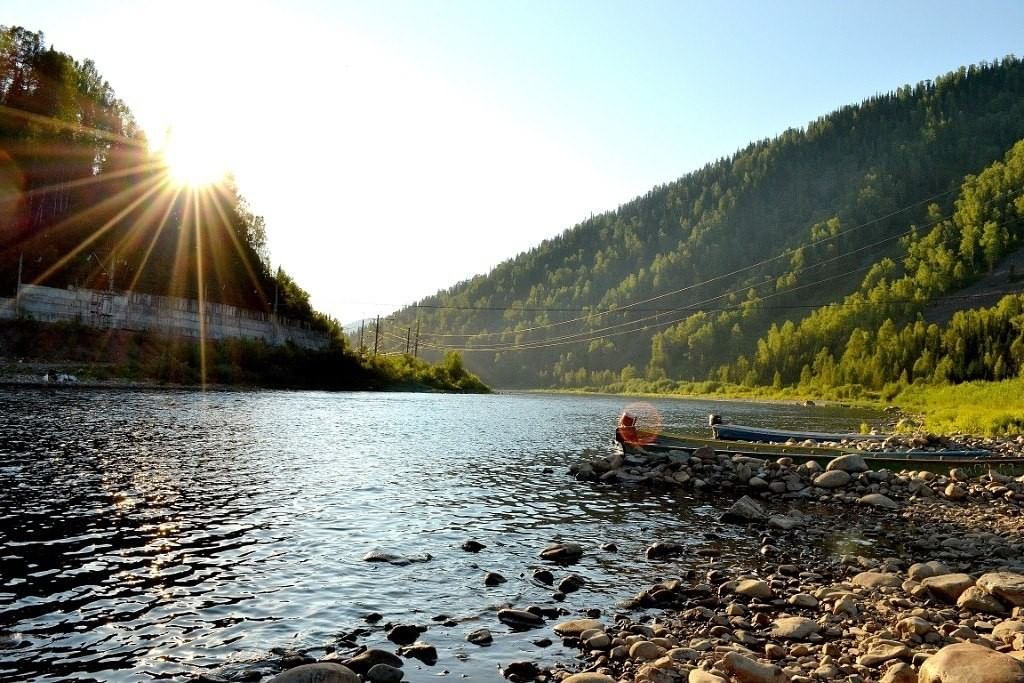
<point>376,337</point>
<point>408,339</point>
<point>362,323</point>
<point>17,292</point>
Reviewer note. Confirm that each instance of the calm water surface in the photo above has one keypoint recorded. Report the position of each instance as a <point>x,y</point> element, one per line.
<point>148,535</point>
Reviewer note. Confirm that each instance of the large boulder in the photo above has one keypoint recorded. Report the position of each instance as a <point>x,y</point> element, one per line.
<point>321,672</point>
<point>1006,586</point>
<point>970,663</point>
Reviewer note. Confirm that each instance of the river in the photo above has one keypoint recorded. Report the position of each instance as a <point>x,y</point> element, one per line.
<point>158,535</point>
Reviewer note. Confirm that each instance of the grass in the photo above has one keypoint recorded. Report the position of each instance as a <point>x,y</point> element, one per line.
<point>984,408</point>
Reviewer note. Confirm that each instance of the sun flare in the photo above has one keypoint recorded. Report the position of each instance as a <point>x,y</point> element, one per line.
<point>195,157</point>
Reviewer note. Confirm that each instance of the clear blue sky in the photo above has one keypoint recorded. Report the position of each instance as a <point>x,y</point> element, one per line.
<point>458,133</point>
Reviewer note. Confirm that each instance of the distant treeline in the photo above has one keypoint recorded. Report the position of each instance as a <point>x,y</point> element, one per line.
<point>865,214</point>
<point>83,202</point>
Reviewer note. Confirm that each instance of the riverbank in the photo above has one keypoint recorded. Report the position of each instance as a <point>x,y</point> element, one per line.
<point>945,592</point>
<point>40,354</point>
<point>979,408</point>
<point>953,598</point>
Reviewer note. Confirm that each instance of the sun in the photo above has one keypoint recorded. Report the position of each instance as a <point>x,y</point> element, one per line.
<point>195,156</point>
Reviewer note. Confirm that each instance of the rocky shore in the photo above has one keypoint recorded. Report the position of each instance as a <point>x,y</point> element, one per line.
<point>944,604</point>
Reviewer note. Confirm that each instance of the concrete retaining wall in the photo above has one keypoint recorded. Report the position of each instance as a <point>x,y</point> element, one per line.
<point>163,314</point>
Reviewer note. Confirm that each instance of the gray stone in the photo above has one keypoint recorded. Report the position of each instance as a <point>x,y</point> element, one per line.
<point>794,628</point>
<point>832,479</point>
<point>880,652</point>
<point>562,552</point>
<point>520,618</point>
<point>924,570</point>
<point>321,672</point>
<point>481,636</point>
<point>494,579</point>
<point>384,673</point>
<point>365,660</point>
<point>879,501</point>
<point>852,463</point>
<point>744,510</point>
<point>425,652</point>
<point>877,580</point>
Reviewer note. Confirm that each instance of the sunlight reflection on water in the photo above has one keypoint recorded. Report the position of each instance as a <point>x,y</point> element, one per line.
<point>147,534</point>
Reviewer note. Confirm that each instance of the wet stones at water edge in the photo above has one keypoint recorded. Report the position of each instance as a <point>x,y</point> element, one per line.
<point>520,619</point>
<point>472,546</point>
<point>481,637</point>
<point>395,559</point>
<point>564,553</point>
<point>321,672</point>
<point>366,660</point>
<point>494,579</point>
<point>404,634</point>
<point>424,652</point>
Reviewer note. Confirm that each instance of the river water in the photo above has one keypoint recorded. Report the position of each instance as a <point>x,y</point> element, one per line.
<point>160,535</point>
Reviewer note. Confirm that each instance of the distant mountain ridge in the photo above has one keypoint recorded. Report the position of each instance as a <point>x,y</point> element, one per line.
<point>686,279</point>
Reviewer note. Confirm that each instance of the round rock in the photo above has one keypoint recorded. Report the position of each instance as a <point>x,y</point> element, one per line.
<point>321,672</point>
<point>965,662</point>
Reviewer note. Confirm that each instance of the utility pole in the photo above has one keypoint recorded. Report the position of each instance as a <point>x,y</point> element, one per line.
<point>362,323</point>
<point>17,292</point>
<point>416,348</point>
<point>276,281</point>
<point>408,338</point>
<point>376,337</point>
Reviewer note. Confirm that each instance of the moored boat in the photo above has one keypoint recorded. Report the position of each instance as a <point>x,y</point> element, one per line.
<point>734,432</point>
<point>636,440</point>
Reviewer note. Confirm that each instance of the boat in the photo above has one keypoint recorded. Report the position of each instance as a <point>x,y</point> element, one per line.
<point>734,432</point>
<point>636,440</point>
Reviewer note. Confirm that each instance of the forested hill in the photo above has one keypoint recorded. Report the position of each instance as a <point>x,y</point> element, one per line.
<point>83,202</point>
<point>687,281</point>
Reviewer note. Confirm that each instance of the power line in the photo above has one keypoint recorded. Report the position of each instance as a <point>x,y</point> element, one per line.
<point>702,283</point>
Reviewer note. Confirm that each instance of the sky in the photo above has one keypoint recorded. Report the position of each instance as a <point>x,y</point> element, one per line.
<point>396,148</point>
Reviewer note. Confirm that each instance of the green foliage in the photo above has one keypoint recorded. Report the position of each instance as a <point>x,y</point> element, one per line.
<point>718,268</point>
<point>980,407</point>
